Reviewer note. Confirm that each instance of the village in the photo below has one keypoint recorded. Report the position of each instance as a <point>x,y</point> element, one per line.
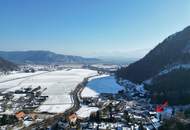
<point>126,109</point>
<point>18,108</point>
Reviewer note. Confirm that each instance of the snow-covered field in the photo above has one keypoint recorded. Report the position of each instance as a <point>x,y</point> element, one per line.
<point>101,84</point>
<point>17,75</point>
<point>85,111</point>
<point>59,84</point>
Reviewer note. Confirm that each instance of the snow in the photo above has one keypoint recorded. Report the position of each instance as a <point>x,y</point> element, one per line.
<point>8,112</point>
<point>88,92</point>
<point>17,96</point>
<point>85,111</point>
<point>101,84</point>
<point>127,83</point>
<point>140,88</point>
<point>17,75</point>
<point>1,97</point>
<point>54,108</point>
<point>11,84</point>
<point>57,85</point>
<point>105,66</point>
<point>154,120</point>
<point>168,70</point>
<point>27,123</point>
<point>179,66</point>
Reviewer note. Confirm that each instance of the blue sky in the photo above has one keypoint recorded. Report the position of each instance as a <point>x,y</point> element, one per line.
<point>92,28</point>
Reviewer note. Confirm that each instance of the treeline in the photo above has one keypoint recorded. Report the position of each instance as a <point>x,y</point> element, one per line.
<point>174,87</point>
<point>7,66</point>
<point>174,124</point>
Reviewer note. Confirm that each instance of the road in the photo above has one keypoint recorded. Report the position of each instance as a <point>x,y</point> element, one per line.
<point>54,120</point>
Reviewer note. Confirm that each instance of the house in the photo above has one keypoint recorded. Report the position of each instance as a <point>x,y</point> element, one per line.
<point>20,115</point>
<point>73,120</point>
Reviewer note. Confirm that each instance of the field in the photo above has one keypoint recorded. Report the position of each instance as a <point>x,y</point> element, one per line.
<point>57,85</point>
<point>85,111</point>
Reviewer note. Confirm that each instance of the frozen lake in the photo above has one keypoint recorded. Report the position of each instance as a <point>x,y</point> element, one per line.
<point>101,84</point>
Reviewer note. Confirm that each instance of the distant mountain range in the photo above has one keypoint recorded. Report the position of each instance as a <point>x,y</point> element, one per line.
<point>164,70</point>
<point>43,57</point>
<point>6,65</point>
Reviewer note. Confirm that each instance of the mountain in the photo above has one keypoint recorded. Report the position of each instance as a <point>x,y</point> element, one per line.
<point>174,50</point>
<point>173,86</point>
<point>165,70</point>
<point>6,65</point>
<point>43,57</point>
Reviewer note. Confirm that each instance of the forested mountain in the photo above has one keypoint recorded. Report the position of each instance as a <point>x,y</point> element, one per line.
<point>173,50</point>
<point>6,65</point>
<point>165,70</point>
<point>173,86</point>
<point>43,57</point>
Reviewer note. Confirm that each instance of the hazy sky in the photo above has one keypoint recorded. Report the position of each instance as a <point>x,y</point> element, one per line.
<point>126,28</point>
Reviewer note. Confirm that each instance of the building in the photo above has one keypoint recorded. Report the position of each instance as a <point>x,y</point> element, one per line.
<point>20,115</point>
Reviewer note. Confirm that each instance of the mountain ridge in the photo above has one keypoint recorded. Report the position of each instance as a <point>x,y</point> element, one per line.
<point>175,49</point>
<point>165,70</point>
<point>6,65</point>
<point>43,57</point>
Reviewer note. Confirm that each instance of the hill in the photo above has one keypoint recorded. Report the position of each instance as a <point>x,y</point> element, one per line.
<point>43,57</point>
<point>165,70</point>
<point>174,50</point>
<point>173,86</point>
<point>6,65</point>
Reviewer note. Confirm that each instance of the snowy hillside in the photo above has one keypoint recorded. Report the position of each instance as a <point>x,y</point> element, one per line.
<point>168,70</point>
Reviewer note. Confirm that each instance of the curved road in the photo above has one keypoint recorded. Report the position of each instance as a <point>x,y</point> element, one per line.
<point>51,121</point>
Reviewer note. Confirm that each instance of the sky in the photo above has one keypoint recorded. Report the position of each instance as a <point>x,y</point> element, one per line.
<point>90,28</point>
